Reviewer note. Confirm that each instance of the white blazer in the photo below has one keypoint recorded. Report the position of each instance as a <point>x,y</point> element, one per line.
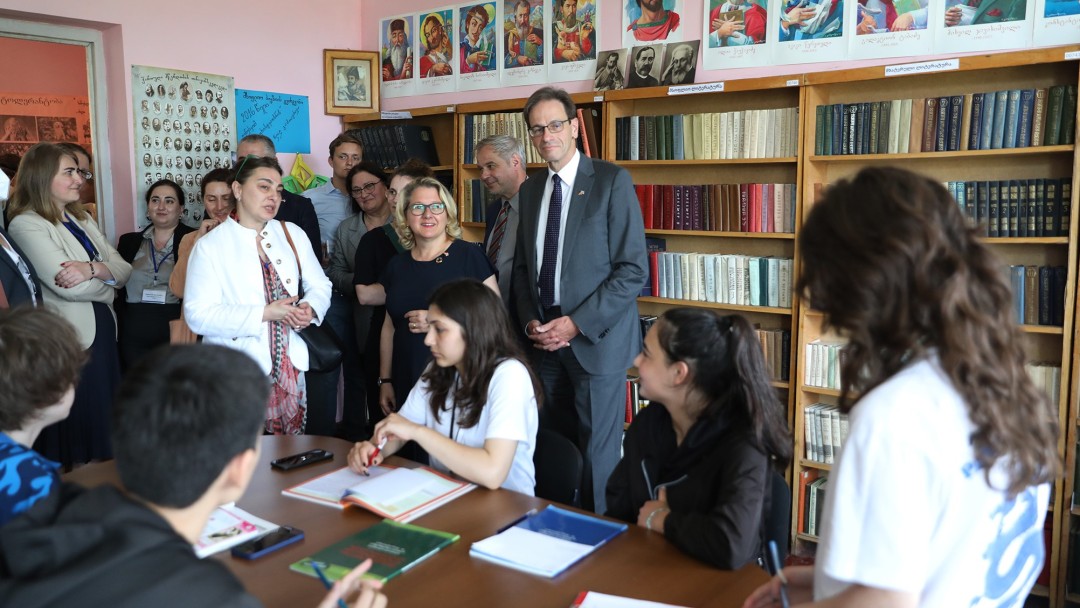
<point>224,297</point>
<point>48,245</point>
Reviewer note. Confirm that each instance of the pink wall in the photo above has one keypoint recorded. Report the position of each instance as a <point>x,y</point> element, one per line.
<point>610,38</point>
<point>272,45</point>
<point>30,66</point>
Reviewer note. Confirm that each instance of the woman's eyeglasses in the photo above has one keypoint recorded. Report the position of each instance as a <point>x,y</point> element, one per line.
<point>365,189</point>
<point>434,208</point>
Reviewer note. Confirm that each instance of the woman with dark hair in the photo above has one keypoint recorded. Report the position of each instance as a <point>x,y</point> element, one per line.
<point>41,359</point>
<point>697,463</point>
<point>939,495</point>
<point>147,303</point>
<point>271,288</point>
<point>81,274</point>
<point>475,408</point>
<point>374,251</point>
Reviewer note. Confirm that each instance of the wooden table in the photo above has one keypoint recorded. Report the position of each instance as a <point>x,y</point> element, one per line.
<point>637,563</point>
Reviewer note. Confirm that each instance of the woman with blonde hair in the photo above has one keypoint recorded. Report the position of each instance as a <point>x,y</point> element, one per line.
<point>82,273</point>
<point>427,225</point>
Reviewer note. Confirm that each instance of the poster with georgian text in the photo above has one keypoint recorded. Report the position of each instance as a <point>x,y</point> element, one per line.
<point>478,46</point>
<point>735,34</point>
<point>982,25</point>
<point>808,31</point>
<point>652,21</point>
<point>889,28</point>
<point>396,56</point>
<point>1056,22</point>
<point>525,45</point>
<point>436,50</point>
<point>185,126</point>
<point>29,118</point>
<point>575,28</point>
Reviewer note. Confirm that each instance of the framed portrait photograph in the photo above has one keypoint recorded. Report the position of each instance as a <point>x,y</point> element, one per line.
<point>352,81</point>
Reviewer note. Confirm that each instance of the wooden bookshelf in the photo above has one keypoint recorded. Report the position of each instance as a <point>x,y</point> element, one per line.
<point>1022,70</point>
<point>810,172</point>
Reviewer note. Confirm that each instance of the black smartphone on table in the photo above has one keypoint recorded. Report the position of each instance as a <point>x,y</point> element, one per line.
<point>287,463</point>
<point>258,547</point>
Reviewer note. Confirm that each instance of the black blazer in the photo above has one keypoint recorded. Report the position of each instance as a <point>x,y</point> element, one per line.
<point>299,210</point>
<point>18,293</point>
<point>128,248</point>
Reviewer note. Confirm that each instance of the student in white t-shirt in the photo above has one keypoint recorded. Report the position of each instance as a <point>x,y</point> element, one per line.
<point>474,409</point>
<point>939,495</point>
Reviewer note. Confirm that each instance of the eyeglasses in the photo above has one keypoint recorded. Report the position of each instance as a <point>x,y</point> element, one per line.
<point>555,126</point>
<point>86,175</point>
<point>365,189</point>
<point>434,208</point>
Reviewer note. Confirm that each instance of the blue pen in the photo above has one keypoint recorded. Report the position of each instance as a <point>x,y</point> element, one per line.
<point>326,581</point>
<point>517,521</point>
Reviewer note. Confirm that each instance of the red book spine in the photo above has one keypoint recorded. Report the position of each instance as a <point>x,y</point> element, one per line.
<point>654,272</point>
<point>656,203</point>
<point>646,217</point>
<point>744,208</point>
<point>669,207</point>
<point>755,207</point>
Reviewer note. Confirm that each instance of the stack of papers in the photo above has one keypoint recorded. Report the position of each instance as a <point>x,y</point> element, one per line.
<point>548,542</point>
<point>395,493</point>
<point>228,526</point>
<point>592,599</point>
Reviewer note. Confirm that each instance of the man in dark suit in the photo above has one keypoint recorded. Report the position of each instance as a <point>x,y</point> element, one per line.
<point>18,279</point>
<point>294,208</point>
<point>578,268</point>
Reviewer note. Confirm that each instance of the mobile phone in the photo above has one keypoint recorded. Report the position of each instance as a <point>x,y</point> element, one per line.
<point>258,547</point>
<point>302,459</point>
<point>772,559</point>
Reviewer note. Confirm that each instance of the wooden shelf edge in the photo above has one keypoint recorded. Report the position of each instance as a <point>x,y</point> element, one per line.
<point>1025,240</point>
<point>813,464</point>
<point>784,384</point>
<point>806,537</point>
<point>707,162</point>
<point>715,305</point>
<point>1052,330</point>
<point>820,390</point>
<point>1040,590</point>
<point>863,158</point>
<point>782,236</point>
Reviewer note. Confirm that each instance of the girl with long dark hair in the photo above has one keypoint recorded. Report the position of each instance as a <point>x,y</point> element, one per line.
<point>474,409</point>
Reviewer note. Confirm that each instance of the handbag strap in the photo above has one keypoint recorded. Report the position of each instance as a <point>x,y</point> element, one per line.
<point>296,256</point>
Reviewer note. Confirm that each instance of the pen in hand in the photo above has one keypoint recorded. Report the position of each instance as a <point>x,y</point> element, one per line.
<point>325,581</point>
<point>378,448</point>
<point>517,521</point>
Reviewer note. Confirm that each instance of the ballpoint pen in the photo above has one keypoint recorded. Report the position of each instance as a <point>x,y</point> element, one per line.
<point>325,581</point>
<point>378,448</point>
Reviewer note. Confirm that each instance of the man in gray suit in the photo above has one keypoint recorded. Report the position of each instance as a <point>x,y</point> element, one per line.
<point>578,268</point>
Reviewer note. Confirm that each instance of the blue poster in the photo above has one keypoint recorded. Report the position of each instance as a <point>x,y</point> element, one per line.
<point>279,116</point>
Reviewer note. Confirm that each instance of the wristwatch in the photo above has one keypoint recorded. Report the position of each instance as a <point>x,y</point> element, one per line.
<point>382,381</point>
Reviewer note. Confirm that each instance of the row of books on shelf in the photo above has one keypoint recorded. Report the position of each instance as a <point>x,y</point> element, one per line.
<point>722,207</point>
<point>1038,294</point>
<point>1016,118</point>
<point>823,361</point>
<point>480,126</point>
<point>812,488</point>
<point>776,348</point>
<point>721,278</point>
<point>1046,377</point>
<point>742,134</point>
<point>825,428</point>
<point>475,198</point>
<point>1036,207</point>
<point>391,144</point>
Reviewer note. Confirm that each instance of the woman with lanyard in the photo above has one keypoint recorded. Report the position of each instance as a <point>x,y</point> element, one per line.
<point>373,253</point>
<point>474,409</point>
<point>80,273</point>
<point>147,304</point>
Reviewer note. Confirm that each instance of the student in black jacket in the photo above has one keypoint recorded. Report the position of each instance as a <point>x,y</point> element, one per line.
<point>696,462</point>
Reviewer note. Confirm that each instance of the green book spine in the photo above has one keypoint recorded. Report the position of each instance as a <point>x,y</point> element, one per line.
<point>819,131</point>
<point>1054,100</point>
<point>1068,116</point>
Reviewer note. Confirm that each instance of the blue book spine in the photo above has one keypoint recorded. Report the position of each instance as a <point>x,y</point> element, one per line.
<point>1016,276</point>
<point>976,121</point>
<point>1027,108</point>
<point>1012,119</point>
<point>838,134</point>
<point>988,110</point>
<point>997,140</point>
<point>677,123</point>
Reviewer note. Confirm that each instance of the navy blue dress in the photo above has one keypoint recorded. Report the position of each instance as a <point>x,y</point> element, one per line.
<point>409,284</point>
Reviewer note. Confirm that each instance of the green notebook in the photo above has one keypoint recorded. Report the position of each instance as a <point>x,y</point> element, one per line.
<point>393,548</point>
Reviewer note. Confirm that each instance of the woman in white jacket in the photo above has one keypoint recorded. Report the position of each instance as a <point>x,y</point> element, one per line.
<point>244,290</point>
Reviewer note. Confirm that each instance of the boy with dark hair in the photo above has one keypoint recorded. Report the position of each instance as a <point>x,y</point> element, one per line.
<point>183,446</point>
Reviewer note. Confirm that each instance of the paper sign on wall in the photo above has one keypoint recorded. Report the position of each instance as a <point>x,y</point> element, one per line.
<point>282,117</point>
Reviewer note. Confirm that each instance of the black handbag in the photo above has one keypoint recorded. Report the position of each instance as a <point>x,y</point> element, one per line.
<point>323,344</point>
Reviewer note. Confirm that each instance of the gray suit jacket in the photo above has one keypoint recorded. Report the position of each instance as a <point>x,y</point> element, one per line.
<point>604,264</point>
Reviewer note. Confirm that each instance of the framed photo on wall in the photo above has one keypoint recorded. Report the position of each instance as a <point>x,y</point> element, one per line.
<point>352,81</point>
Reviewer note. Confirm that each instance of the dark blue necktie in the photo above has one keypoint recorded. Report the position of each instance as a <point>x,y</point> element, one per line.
<point>551,245</point>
